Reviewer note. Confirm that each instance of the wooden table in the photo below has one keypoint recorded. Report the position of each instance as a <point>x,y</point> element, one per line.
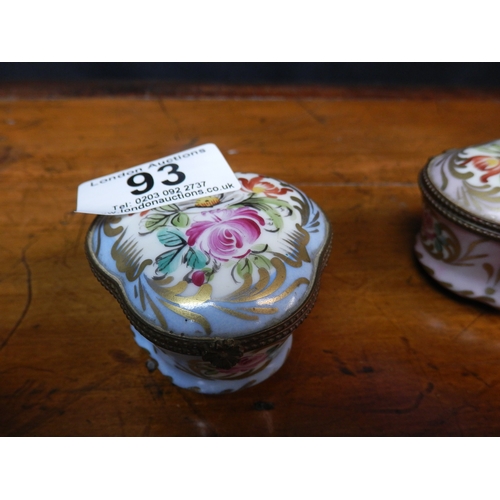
<point>385,352</point>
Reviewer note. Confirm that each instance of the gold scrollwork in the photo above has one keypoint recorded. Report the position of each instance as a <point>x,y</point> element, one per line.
<point>446,246</point>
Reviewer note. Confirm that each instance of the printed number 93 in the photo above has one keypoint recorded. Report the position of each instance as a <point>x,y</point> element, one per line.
<point>146,180</point>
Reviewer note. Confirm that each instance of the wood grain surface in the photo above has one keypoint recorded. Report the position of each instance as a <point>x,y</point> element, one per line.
<point>385,352</point>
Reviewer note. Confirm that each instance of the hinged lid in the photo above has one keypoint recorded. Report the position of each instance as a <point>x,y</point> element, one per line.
<point>464,185</point>
<point>241,266</point>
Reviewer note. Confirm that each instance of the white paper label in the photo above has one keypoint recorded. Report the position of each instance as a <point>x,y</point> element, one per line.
<point>185,176</point>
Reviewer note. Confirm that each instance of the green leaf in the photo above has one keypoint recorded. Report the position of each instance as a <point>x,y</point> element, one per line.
<point>171,237</point>
<point>180,220</point>
<point>169,261</point>
<point>154,221</point>
<point>259,248</point>
<point>261,261</point>
<point>274,216</point>
<point>265,201</point>
<point>244,267</point>
<point>159,217</point>
<point>196,259</point>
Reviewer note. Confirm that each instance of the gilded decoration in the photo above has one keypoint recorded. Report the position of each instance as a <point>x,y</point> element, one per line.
<point>445,242</point>
<point>206,264</point>
<point>241,367</point>
<point>470,178</point>
<point>441,242</point>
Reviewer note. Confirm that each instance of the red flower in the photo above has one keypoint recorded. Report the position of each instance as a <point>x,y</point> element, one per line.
<point>427,229</point>
<point>258,185</point>
<point>487,164</point>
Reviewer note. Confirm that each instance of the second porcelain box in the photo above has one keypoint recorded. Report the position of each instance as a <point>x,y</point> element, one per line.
<point>459,241</point>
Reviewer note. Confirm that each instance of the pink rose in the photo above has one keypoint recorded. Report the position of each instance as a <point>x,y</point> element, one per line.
<point>226,234</point>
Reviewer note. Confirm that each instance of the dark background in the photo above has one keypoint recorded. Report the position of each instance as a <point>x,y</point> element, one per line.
<point>484,75</point>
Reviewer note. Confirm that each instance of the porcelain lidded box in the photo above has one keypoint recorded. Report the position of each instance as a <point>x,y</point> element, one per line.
<point>459,241</point>
<point>214,287</point>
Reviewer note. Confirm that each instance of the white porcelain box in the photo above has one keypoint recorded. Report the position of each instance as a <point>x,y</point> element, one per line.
<point>214,287</point>
<point>459,241</point>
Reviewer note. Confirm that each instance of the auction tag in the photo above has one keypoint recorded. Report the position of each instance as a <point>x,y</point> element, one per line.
<point>188,175</point>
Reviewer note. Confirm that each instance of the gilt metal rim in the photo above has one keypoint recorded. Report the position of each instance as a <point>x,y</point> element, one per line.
<point>448,209</point>
<point>200,346</point>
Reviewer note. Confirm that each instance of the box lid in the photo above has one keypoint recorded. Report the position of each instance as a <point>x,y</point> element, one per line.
<point>464,185</point>
<point>243,265</point>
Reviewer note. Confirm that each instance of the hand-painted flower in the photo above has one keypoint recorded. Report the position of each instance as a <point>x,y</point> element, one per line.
<point>428,231</point>
<point>246,363</point>
<point>488,164</point>
<point>258,185</point>
<point>226,234</point>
